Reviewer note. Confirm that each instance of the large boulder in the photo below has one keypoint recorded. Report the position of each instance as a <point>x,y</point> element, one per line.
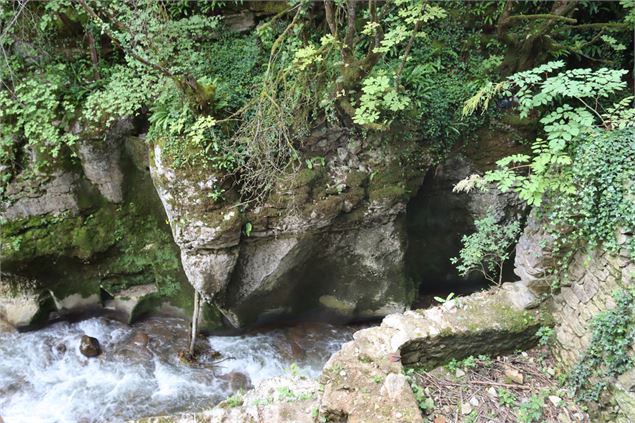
<point>328,240</point>
<point>101,159</point>
<point>76,227</point>
<point>22,303</point>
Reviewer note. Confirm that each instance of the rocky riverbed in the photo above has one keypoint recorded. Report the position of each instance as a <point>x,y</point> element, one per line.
<point>45,378</point>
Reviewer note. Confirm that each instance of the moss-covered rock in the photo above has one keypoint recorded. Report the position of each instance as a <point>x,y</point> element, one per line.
<point>82,257</point>
<point>328,240</point>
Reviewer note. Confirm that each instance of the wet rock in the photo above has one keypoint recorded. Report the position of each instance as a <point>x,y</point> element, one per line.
<point>89,346</point>
<point>128,304</point>
<point>60,348</point>
<point>77,304</point>
<point>237,381</point>
<point>22,303</point>
<point>140,338</point>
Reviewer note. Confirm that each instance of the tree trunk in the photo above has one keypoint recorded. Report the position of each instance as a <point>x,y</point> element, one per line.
<point>195,317</point>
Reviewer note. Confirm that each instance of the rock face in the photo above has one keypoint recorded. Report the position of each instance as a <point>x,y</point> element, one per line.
<point>533,256</point>
<point>438,218</point>
<point>330,241</point>
<point>89,346</point>
<point>22,304</point>
<point>54,196</point>
<point>78,228</point>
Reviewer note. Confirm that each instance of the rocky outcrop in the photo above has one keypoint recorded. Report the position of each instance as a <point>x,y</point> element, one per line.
<point>22,304</point>
<point>533,256</point>
<point>328,240</point>
<point>55,195</point>
<point>365,381</point>
<point>207,237</point>
<point>69,233</point>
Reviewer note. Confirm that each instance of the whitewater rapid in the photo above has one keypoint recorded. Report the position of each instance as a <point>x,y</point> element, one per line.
<point>44,378</point>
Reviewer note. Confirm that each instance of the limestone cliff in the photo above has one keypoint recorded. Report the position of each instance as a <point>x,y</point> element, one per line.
<point>329,240</point>
<point>83,230</point>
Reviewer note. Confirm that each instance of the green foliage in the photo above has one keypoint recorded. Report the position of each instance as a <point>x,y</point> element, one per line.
<point>445,69</point>
<point>248,228</point>
<point>545,335</point>
<point>531,411</point>
<point>382,96</point>
<point>233,401</point>
<point>610,349</point>
<point>467,363</point>
<point>425,403</point>
<point>379,94</point>
<point>548,172</point>
<point>581,172</point>
<point>39,115</point>
<point>602,202</point>
<point>442,300</point>
<point>286,394</point>
<point>506,398</point>
<point>127,90</point>
<point>486,250</point>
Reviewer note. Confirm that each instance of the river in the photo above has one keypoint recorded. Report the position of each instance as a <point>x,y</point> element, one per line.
<point>44,377</point>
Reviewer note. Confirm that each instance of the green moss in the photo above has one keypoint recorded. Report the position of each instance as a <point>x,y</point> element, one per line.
<point>357,179</point>
<point>512,319</point>
<point>64,235</point>
<point>126,246</point>
<point>308,176</point>
<point>388,184</point>
<point>391,193</point>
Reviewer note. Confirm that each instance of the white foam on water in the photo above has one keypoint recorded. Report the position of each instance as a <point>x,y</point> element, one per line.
<point>40,385</point>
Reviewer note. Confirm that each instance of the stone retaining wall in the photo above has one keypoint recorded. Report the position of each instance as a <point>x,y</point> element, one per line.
<point>592,280</point>
<point>587,290</point>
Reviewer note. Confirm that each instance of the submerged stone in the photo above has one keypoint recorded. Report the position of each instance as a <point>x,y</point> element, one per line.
<point>89,346</point>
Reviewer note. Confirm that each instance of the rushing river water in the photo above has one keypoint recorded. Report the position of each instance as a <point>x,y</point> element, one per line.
<point>44,377</point>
